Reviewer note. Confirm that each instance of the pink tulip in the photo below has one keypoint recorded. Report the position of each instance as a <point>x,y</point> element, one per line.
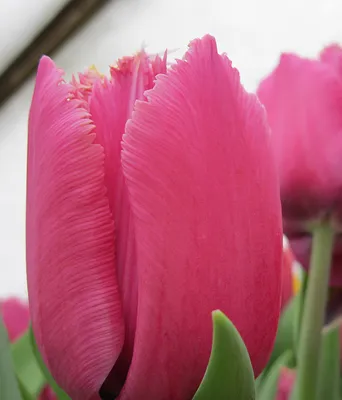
<point>285,384</point>
<point>303,99</point>
<point>128,255</point>
<point>16,317</point>
<point>332,55</point>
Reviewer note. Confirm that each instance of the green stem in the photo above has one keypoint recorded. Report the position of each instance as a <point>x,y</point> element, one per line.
<point>329,371</point>
<point>313,313</point>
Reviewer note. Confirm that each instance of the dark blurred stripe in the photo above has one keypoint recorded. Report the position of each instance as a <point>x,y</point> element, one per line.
<point>75,14</point>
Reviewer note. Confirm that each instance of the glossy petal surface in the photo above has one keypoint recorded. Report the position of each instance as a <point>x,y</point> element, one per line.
<point>204,194</point>
<point>74,297</point>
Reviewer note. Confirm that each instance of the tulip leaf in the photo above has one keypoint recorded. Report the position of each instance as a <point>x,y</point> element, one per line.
<point>9,388</point>
<point>27,369</point>
<point>269,386</point>
<point>285,338</point>
<point>259,382</point>
<point>299,308</point>
<point>329,372</point>
<point>25,395</point>
<point>229,373</point>
<point>61,395</point>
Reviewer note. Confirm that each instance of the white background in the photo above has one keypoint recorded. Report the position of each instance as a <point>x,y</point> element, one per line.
<point>252,32</point>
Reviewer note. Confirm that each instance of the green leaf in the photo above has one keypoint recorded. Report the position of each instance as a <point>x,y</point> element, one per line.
<point>229,373</point>
<point>9,388</point>
<point>269,386</point>
<point>288,328</point>
<point>299,309</point>
<point>259,382</point>
<point>285,338</point>
<point>27,369</point>
<point>61,395</point>
<point>329,370</point>
<point>25,395</point>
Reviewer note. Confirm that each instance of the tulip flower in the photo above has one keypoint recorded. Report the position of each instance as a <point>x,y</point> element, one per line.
<point>332,55</point>
<point>132,245</point>
<point>285,384</point>
<point>16,316</point>
<point>303,99</point>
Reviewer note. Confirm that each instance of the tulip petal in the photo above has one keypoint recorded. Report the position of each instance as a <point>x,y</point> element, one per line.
<point>332,55</point>
<point>74,297</point>
<point>204,193</point>
<point>16,316</point>
<point>111,105</point>
<point>286,382</point>
<point>303,99</point>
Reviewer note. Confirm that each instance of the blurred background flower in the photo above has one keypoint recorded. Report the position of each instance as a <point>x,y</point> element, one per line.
<point>16,318</point>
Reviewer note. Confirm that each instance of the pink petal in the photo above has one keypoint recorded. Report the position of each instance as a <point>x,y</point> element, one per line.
<point>303,99</point>
<point>204,194</point>
<point>47,394</point>
<point>111,105</point>
<point>16,316</point>
<point>74,297</point>
<point>332,55</point>
<point>83,86</point>
<point>286,381</point>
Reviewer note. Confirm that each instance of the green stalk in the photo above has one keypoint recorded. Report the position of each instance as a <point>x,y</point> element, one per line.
<point>313,314</point>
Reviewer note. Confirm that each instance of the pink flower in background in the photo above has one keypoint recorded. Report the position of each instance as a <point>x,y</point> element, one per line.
<point>16,317</point>
<point>303,100</point>
<point>301,247</point>
<point>285,384</point>
<point>136,232</point>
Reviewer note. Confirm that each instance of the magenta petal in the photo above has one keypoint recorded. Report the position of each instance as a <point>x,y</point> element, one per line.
<point>303,99</point>
<point>47,394</point>
<point>332,55</point>
<point>204,193</point>
<point>111,105</point>
<point>285,385</point>
<point>74,298</point>
<point>16,316</point>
